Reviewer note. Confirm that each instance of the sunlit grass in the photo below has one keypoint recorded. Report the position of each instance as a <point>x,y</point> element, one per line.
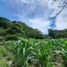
<point>45,52</point>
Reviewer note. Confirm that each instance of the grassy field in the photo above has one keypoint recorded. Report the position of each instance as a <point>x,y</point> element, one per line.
<point>33,53</point>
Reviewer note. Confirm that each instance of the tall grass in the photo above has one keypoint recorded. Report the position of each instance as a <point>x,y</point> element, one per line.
<point>40,53</point>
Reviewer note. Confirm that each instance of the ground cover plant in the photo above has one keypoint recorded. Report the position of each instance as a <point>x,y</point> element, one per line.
<point>36,53</point>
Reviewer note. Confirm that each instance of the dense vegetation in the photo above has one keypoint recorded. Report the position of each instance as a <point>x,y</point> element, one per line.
<point>58,33</point>
<point>13,29</point>
<point>22,46</point>
<point>32,52</point>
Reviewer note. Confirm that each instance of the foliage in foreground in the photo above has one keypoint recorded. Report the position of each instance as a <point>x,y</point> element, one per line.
<point>40,53</point>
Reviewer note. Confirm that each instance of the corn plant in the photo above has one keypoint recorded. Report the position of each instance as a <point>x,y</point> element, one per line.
<point>45,53</point>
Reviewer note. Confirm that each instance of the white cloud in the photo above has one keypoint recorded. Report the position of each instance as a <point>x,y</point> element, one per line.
<point>61,21</point>
<point>40,24</point>
<point>43,25</point>
<point>53,4</point>
<point>39,9</point>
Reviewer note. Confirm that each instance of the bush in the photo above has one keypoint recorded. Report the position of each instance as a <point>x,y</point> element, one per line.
<point>11,37</point>
<point>3,63</point>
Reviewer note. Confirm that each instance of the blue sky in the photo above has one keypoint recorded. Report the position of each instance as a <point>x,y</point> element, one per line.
<point>34,13</point>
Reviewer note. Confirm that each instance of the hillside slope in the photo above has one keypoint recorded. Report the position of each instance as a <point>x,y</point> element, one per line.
<point>13,29</point>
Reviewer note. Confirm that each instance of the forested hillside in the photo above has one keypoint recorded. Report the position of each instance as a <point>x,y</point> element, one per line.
<point>14,29</point>
<point>11,30</point>
<point>58,33</point>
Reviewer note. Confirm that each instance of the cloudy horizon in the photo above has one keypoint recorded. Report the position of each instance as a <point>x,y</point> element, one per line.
<point>35,13</point>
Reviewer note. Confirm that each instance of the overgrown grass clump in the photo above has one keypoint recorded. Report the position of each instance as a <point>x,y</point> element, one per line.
<point>33,52</point>
<point>44,53</point>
